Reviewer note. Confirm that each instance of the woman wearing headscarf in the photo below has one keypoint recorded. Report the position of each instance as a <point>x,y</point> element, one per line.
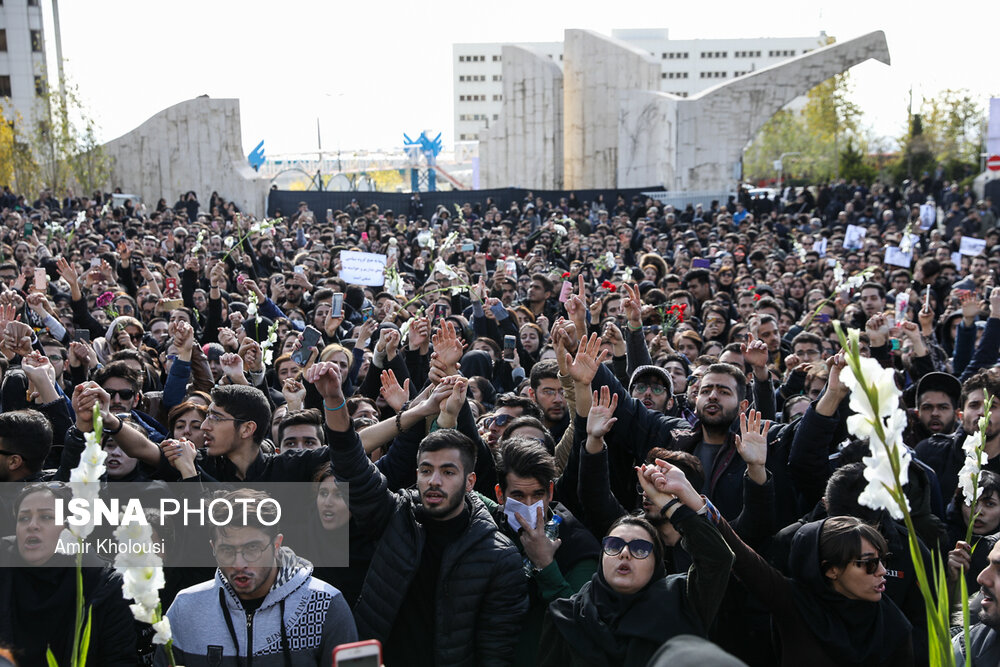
<point>38,589</point>
<point>630,606</point>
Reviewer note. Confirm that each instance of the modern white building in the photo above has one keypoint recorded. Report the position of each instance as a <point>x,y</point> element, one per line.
<point>688,66</point>
<point>22,57</point>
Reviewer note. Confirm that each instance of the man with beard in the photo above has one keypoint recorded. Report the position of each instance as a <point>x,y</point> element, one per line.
<point>548,394</point>
<point>937,397</point>
<point>943,451</point>
<point>719,401</point>
<point>445,586</point>
<point>984,644</point>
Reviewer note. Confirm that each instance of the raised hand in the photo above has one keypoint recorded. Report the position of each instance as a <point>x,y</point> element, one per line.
<point>588,358</point>
<point>81,354</point>
<point>632,305</point>
<point>755,354</point>
<point>228,339</point>
<point>601,417</point>
<point>181,455</point>
<point>394,394</point>
<point>662,482</point>
<point>453,402</point>
<point>41,376</point>
<point>183,335</point>
<point>294,393</point>
<point>232,366</point>
<point>752,444</point>
<point>325,376</point>
<point>252,355</point>
<point>419,334</point>
<point>959,560</point>
<point>877,329</point>
<point>995,302</point>
<point>447,344</point>
<point>17,339</point>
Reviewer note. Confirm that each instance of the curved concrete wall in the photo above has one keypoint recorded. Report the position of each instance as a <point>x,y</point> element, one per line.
<point>194,145</point>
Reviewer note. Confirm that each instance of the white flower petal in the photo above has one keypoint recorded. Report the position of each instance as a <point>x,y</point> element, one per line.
<point>163,634</point>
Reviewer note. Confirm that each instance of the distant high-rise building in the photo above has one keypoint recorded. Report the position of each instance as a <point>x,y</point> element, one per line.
<point>22,57</point>
<point>688,66</point>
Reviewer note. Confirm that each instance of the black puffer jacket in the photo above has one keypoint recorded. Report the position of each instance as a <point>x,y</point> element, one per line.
<point>481,592</point>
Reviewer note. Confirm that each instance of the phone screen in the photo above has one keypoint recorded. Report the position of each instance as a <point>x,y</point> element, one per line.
<point>509,343</point>
<point>337,305</point>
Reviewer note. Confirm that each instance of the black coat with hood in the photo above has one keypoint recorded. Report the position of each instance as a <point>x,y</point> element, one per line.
<point>599,626</point>
<point>816,625</point>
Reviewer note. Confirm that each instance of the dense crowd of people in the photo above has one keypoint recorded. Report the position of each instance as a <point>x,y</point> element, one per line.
<point>571,432</point>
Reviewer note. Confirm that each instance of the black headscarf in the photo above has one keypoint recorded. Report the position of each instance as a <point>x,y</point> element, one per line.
<point>854,631</point>
<point>605,625</point>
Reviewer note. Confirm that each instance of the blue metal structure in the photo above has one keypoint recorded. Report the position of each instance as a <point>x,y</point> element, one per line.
<point>429,149</point>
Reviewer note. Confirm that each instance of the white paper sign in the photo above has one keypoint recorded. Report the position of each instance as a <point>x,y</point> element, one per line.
<point>362,268</point>
<point>971,246</point>
<point>897,257</point>
<point>854,237</point>
<point>928,214</point>
<point>956,259</point>
<point>820,246</point>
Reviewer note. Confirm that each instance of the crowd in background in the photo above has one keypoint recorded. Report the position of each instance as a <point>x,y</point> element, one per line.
<point>489,405</point>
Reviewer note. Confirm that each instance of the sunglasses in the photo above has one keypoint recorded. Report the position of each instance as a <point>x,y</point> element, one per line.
<point>124,394</point>
<point>871,564</point>
<point>638,549</point>
<point>499,421</point>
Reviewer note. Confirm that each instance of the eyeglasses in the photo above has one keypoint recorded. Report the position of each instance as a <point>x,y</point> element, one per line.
<point>216,417</point>
<point>641,387</point>
<point>548,392</point>
<point>871,564</point>
<point>498,420</point>
<point>638,549</point>
<point>124,394</point>
<point>225,554</point>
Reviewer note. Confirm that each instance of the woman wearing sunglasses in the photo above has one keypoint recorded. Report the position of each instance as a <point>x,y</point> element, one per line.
<point>832,611</point>
<point>630,607</point>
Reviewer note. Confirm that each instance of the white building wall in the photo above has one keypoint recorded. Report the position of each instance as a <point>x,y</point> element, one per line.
<point>679,75</point>
<point>19,62</point>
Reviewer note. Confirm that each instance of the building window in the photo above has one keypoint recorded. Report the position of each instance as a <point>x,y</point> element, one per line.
<point>3,40</point>
<point>32,3</point>
<point>498,98</point>
<point>498,77</point>
<point>496,59</point>
<point>496,116</point>
<point>39,86</point>
<point>36,41</point>
<point>5,85</point>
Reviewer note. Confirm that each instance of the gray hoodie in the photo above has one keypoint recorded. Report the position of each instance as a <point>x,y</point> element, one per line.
<point>316,619</point>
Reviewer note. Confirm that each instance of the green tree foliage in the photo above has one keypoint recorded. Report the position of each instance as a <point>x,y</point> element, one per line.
<point>949,131</point>
<point>820,131</point>
<point>64,143</point>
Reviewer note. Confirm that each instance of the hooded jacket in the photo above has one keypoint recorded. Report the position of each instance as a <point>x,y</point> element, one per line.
<point>300,621</point>
<point>818,626</point>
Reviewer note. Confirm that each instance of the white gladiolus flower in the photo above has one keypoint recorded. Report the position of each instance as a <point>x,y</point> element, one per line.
<point>255,228</point>
<point>838,273</point>
<point>162,628</point>
<point>81,217</point>
<point>229,242</point>
<point>441,267</point>
<point>967,477</point>
<point>878,472</point>
<point>93,454</point>
<point>143,613</point>
<point>560,230</point>
<point>142,584</point>
<point>252,305</point>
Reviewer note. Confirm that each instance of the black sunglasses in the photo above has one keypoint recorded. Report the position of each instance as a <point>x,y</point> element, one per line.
<point>871,564</point>
<point>638,549</point>
<point>124,394</point>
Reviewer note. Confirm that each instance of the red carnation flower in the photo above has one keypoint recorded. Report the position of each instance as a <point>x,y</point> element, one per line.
<point>565,275</point>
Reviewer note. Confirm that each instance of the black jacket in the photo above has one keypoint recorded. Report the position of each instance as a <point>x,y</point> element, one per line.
<point>638,430</point>
<point>481,591</point>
